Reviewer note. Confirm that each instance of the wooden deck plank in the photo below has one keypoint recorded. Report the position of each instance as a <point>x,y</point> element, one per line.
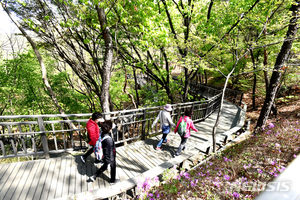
<point>136,156</point>
<point>141,156</point>
<point>55,177</point>
<point>16,180</point>
<point>4,178</point>
<point>3,171</point>
<point>130,162</point>
<point>79,175</point>
<point>153,156</point>
<point>23,180</point>
<point>72,177</point>
<point>123,167</point>
<point>29,180</point>
<point>6,181</point>
<point>66,182</point>
<point>42,180</point>
<point>121,174</point>
<point>36,178</point>
<point>150,156</point>
<point>84,177</point>
<point>125,163</point>
<point>48,180</point>
<point>89,173</point>
<point>60,181</point>
<point>134,160</point>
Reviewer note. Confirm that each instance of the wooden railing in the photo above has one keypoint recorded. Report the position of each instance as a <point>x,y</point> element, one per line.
<point>31,135</point>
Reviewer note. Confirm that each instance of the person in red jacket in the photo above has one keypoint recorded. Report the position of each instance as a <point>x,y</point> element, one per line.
<point>93,134</point>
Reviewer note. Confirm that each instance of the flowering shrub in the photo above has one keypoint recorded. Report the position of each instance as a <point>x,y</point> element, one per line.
<point>145,185</point>
<point>242,171</point>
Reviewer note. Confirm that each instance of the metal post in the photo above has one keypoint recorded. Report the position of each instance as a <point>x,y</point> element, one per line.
<point>44,138</point>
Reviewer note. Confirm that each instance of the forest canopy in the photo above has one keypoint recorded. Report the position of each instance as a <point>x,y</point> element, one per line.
<point>111,55</point>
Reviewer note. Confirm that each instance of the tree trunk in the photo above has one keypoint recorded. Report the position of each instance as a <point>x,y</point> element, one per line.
<point>254,81</point>
<point>40,59</point>
<point>280,61</point>
<point>220,109</point>
<point>124,89</point>
<point>273,108</point>
<point>136,88</point>
<point>107,65</point>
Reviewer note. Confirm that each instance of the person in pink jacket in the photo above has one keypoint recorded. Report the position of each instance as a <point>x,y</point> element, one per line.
<point>189,125</point>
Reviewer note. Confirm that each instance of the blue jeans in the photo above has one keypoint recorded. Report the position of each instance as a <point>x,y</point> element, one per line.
<point>165,131</point>
<point>163,139</point>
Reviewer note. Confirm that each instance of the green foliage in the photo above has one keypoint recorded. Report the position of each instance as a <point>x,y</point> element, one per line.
<point>119,97</point>
<point>24,92</point>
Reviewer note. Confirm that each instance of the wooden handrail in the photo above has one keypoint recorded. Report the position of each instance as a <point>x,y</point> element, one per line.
<point>20,133</point>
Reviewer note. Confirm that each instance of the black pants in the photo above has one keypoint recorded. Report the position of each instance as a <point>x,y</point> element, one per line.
<point>181,146</point>
<point>89,152</point>
<point>112,169</point>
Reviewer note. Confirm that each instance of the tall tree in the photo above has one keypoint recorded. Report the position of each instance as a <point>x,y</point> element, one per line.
<point>108,57</point>
<point>279,64</point>
<point>40,59</point>
<point>73,34</point>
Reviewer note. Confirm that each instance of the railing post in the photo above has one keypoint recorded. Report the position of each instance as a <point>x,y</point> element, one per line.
<point>44,138</point>
<point>241,99</point>
<point>144,125</point>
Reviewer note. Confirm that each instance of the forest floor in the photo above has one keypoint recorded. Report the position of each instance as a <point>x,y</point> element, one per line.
<point>288,106</point>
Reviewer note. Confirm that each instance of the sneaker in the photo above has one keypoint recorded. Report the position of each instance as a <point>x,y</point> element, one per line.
<point>116,181</point>
<point>82,159</point>
<point>93,178</point>
<point>98,162</point>
<point>175,155</point>
<point>159,148</point>
<point>167,141</point>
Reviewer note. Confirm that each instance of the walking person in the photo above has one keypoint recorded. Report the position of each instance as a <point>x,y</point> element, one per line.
<point>109,152</point>
<point>189,125</point>
<point>165,124</point>
<point>93,134</point>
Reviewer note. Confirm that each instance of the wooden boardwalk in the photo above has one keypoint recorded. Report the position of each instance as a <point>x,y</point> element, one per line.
<point>62,177</point>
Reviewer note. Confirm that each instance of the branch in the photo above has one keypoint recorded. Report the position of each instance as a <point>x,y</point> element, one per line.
<point>235,24</point>
<point>209,9</point>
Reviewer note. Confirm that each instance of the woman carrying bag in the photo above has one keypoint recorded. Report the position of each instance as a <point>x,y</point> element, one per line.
<point>184,123</point>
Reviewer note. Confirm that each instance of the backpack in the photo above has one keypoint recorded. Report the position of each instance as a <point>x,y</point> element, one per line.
<point>182,128</point>
<point>98,148</point>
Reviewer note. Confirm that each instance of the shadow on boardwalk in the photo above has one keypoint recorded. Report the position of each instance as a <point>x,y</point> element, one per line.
<point>62,177</point>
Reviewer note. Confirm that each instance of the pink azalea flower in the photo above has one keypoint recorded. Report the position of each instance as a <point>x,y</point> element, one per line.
<point>271,125</point>
<point>227,177</point>
<point>236,195</point>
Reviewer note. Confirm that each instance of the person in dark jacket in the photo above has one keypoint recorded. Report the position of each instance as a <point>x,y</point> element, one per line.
<point>93,134</point>
<point>109,153</point>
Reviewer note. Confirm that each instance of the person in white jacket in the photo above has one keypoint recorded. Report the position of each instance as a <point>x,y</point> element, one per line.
<point>165,124</point>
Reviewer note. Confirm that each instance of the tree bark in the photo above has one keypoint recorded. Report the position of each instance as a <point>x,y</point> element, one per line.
<point>108,56</point>
<point>280,61</point>
<point>273,108</point>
